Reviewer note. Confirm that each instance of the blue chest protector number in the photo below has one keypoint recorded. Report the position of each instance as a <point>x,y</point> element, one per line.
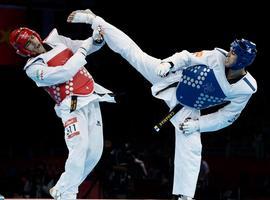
<point>198,88</point>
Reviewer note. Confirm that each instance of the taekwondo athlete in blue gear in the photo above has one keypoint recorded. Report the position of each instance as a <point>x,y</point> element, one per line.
<point>195,80</point>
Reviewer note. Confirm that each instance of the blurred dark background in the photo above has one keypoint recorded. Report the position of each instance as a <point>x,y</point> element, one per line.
<point>33,152</point>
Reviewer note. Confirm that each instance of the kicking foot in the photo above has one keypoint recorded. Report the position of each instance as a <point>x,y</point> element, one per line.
<point>81,16</point>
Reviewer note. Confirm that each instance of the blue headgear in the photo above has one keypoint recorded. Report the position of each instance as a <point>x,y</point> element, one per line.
<point>246,52</point>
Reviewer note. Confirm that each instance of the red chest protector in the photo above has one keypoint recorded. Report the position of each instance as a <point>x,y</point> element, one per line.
<point>81,84</point>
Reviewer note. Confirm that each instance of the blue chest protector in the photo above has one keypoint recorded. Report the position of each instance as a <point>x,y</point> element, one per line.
<point>198,88</point>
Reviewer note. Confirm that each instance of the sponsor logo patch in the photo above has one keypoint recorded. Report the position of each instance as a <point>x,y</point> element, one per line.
<point>40,74</point>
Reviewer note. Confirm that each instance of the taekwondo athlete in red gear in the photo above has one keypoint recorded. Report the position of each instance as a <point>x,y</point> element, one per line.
<point>194,80</point>
<point>61,72</point>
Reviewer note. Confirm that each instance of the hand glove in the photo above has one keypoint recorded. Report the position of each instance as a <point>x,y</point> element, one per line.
<point>189,126</point>
<point>86,46</point>
<point>98,36</point>
<point>81,16</point>
<point>163,69</point>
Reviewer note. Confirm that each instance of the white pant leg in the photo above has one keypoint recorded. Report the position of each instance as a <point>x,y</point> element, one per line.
<point>187,160</point>
<point>187,163</point>
<point>128,49</point>
<point>95,135</point>
<point>77,145</point>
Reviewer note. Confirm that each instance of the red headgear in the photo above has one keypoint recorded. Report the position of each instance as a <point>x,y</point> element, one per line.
<point>18,39</point>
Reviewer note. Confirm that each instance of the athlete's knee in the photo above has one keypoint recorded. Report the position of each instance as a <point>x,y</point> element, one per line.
<point>95,154</point>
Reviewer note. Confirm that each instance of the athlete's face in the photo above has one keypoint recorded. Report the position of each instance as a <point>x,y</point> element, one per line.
<point>34,45</point>
<point>230,59</point>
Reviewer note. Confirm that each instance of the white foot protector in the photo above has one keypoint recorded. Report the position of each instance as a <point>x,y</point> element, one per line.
<point>82,16</point>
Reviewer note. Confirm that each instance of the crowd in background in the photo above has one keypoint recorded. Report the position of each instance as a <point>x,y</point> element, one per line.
<point>126,171</point>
